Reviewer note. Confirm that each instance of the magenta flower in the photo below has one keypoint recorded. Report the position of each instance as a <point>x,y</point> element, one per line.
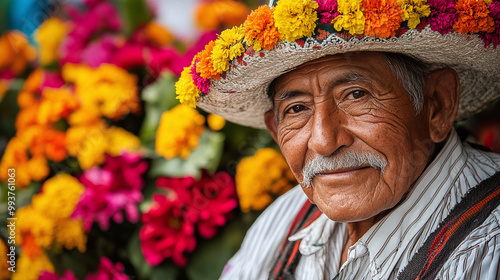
<point>100,18</point>
<point>327,10</point>
<point>201,83</point>
<point>51,80</point>
<point>67,275</point>
<point>170,223</point>
<point>443,15</point>
<point>108,271</point>
<point>492,38</point>
<point>110,190</point>
<point>166,233</point>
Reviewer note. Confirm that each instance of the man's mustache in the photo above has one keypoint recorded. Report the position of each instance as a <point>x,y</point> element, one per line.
<point>345,160</point>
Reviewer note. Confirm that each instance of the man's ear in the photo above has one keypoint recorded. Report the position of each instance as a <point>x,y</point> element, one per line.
<point>272,124</point>
<point>442,92</point>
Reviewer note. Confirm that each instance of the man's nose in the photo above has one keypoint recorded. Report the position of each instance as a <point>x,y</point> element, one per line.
<point>330,131</point>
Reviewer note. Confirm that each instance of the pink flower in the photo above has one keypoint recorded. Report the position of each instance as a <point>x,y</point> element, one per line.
<point>101,51</point>
<point>67,275</point>
<point>327,10</point>
<point>492,38</point>
<point>99,18</point>
<point>212,199</point>
<point>109,190</point>
<point>166,233</point>
<point>443,15</point>
<point>108,271</point>
<point>52,80</point>
<point>201,83</point>
<point>170,223</point>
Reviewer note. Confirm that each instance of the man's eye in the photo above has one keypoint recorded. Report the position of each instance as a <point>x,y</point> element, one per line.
<point>295,109</point>
<point>356,94</point>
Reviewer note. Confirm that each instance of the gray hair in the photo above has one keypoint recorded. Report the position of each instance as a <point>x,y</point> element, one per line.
<point>349,159</point>
<point>412,74</point>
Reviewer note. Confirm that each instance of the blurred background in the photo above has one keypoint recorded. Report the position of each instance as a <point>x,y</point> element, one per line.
<point>102,172</point>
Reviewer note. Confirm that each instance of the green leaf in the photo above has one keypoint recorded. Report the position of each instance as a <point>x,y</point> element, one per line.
<point>205,156</point>
<point>134,14</point>
<point>165,271</point>
<point>142,268</point>
<point>158,97</point>
<point>209,258</point>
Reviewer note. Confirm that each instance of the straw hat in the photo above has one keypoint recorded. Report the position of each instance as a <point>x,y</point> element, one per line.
<point>231,76</point>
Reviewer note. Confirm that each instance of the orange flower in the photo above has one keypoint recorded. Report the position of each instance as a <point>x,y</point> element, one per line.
<point>383,18</point>
<point>33,81</point>
<point>15,52</point>
<point>158,34</point>
<point>27,117</point>
<point>56,104</point>
<point>260,30</point>
<point>220,13</point>
<point>205,65</point>
<point>473,17</point>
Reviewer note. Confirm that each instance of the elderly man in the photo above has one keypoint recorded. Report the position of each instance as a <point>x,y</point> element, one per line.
<point>363,112</point>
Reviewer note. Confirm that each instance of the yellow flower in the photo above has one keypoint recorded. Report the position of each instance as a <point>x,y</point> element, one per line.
<point>60,195</point>
<point>215,122</point>
<point>296,18</point>
<point>227,47</point>
<point>30,268</point>
<point>120,140</point>
<point>179,132</point>
<point>33,223</point>
<point>109,88</point>
<point>261,178</point>
<point>185,89</point>
<point>56,104</point>
<point>413,10</point>
<point>213,15</point>
<point>158,34</point>
<point>71,234</point>
<point>351,17</point>
<point>91,143</point>
<point>49,37</point>
<point>4,265</point>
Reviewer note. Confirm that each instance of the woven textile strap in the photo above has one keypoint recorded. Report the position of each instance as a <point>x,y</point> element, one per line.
<point>285,265</point>
<point>467,215</point>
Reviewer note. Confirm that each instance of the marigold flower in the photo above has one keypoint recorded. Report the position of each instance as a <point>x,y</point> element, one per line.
<point>257,189</point>
<point>15,52</point>
<point>473,17</point>
<point>227,47</point>
<point>179,132</point>
<point>413,10</point>
<point>296,19</point>
<point>260,29</point>
<point>443,15</point>
<point>351,17</point>
<point>34,229</point>
<point>30,268</point>
<point>383,18</point>
<point>56,104</point>
<point>220,13</point>
<point>205,66</point>
<point>185,89</point>
<point>215,122</point>
<point>493,38</point>
<point>109,88</point>
<point>158,34</point>
<point>59,197</point>
<point>121,141</point>
<point>70,234</point>
<point>4,259</point>
<point>49,36</point>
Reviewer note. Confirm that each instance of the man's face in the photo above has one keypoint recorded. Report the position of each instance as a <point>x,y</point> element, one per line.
<point>346,104</point>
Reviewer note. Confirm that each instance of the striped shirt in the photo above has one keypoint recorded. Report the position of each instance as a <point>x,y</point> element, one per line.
<point>389,245</point>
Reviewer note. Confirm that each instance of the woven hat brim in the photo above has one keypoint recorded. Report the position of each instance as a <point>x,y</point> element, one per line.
<point>241,96</point>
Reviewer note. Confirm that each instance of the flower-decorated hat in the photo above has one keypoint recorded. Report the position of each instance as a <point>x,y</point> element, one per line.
<point>231,76</point>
